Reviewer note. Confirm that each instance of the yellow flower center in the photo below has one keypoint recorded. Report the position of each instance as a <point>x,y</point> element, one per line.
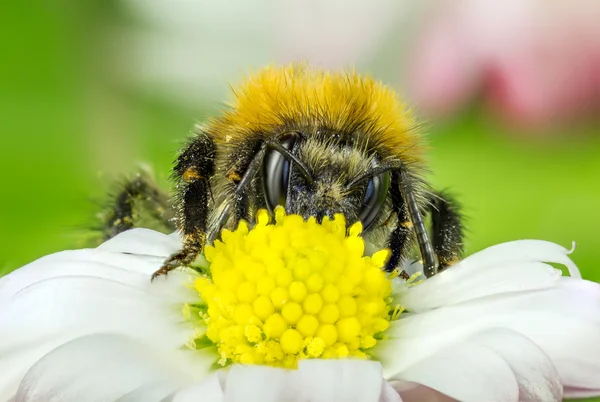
<point>292,290</point>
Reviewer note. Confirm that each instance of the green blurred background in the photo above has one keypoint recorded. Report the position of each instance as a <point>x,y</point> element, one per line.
<point>72,124</point>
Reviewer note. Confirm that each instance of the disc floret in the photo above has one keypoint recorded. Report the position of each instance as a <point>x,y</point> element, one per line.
<point>291,290</point>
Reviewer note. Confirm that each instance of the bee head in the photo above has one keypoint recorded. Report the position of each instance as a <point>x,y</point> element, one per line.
<point>321,176</point>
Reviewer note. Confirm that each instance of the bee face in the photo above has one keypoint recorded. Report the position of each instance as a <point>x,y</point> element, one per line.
<point>335,167</point>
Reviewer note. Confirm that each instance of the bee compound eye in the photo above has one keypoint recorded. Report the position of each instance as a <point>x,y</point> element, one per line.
<point>276,174</point>
<point>375,195</point>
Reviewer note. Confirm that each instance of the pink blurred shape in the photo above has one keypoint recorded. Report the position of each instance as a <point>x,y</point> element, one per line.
<point>535,61</point>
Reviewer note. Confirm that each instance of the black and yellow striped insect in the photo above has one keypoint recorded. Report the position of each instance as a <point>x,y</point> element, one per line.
<point>318,143</point>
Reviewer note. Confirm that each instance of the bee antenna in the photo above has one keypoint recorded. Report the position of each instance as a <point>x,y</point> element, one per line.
<point>285,152</point>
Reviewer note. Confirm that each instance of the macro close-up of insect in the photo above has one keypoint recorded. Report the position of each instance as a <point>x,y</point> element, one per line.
<point>318,143</point>
<point>360,201</point>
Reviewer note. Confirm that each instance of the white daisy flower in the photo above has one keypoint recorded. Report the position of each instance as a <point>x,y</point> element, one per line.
<point>502,325</point>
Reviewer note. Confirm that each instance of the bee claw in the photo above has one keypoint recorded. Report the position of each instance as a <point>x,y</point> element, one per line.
<point>162,271</point>
<point>180,259</point>
<point>168,266</point>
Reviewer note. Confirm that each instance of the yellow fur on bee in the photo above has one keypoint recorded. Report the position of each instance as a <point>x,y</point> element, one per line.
<point>300,97</point>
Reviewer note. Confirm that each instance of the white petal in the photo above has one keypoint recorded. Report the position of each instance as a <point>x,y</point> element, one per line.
<point>339,380</point>
<point>510,267</point>
<point>314,380</point>
<point>536,376</point>
<point>390,394</point>
<point>54,311</point>
<point>496,364</point>
<point>563,321</point>
<point>131,270</point>
<point>523,251</point>
<point>210,390</point>
<point>105,368</point>
<point>143,242</point>
<point>130,258</point>
<point>61,297</point>
<point>467,373</point>
<point>258,383</point>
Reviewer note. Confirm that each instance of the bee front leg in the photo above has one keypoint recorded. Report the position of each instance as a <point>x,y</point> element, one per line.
<point>192,174</point>
<point>193,244</point>
<point>401,239</point>
<point>194,205</point>
<point>406,185</point>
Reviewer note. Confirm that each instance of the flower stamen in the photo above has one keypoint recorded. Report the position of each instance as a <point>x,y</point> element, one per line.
<point>293,290</point>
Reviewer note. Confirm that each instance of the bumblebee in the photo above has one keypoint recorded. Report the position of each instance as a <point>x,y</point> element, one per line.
<point>318,143</point>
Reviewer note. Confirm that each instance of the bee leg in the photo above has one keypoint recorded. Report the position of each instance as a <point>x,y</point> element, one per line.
<point>399,243</point>
<point>194,205</point>
<point>447,229</point>
<point>400,240</point>
<point>240,193</point>
<point>407,189</point>
<point>192,246</point>
<point>143,190</point>
<point>193,168</point>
